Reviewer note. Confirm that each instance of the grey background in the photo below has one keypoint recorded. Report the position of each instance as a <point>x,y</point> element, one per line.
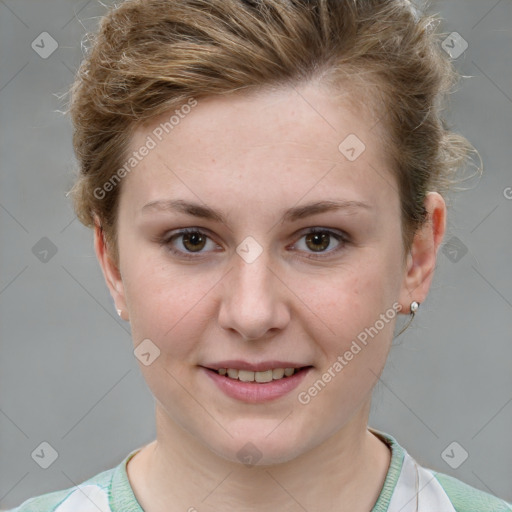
<point>67,371</point>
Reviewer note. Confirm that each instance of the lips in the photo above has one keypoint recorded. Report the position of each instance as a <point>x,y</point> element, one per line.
<point>255,386</point>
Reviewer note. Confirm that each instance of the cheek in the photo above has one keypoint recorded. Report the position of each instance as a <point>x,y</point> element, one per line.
<point>358,310</point>
<point>349,299</point>
<point>167,304</point>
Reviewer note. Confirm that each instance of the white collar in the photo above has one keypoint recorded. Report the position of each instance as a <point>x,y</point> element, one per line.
<point>430,497</point>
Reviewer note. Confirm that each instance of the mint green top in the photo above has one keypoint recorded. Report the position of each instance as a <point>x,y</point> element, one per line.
<point>110,491</point>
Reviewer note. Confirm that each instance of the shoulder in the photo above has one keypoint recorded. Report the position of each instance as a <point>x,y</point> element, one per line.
<point>91,495</point>
<point>466,498</point>
<point>409,486</point>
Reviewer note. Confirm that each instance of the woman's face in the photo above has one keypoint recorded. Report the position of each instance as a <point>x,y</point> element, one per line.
<point>257,290</point>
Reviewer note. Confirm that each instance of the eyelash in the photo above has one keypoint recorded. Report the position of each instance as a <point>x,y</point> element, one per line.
<point>166,242</point>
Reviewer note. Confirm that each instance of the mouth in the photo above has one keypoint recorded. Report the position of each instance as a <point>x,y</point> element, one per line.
<point>256,383</point>
<point>260,377</point>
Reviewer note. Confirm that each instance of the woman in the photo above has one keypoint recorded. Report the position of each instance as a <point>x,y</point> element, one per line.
<point>265,181</point>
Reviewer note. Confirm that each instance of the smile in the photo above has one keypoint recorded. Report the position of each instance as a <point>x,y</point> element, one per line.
<point>262,377</point>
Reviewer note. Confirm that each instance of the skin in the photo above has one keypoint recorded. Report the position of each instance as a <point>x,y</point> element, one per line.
<point>251,156</point>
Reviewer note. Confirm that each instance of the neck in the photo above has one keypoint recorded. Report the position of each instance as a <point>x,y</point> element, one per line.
<point>346,471</point>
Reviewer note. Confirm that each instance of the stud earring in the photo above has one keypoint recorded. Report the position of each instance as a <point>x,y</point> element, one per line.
<point>413,308</point>
<point>119,311</point>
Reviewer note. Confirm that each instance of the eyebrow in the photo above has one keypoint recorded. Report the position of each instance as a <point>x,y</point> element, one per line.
<point>290,215</point>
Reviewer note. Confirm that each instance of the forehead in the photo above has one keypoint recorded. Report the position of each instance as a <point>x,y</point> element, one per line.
<point>276,144</point>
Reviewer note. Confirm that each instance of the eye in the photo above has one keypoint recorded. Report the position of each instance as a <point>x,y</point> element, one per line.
<point>320,239</point>
<point>193,241</point>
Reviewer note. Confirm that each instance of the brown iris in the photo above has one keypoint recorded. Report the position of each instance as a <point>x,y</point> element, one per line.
<point>320,241</point>
<point>196,241</point>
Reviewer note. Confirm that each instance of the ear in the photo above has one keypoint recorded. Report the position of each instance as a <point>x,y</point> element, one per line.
<point>421,260</point>
<point>110,271</point>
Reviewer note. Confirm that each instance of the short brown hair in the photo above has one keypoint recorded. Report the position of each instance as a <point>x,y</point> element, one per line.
<point>151,56</point>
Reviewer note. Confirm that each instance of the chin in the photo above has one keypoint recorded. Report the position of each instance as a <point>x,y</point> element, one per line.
<point>255,444</point>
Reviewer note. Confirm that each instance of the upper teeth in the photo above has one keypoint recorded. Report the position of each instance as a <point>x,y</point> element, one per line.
<point>265,376</point>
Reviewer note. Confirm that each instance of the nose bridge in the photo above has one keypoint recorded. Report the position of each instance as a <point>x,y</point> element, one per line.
<point>252,297</point>
<point>253,275</point>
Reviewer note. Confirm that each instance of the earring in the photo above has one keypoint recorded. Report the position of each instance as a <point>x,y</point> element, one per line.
<point>119,311</point>
<point>413,308</point>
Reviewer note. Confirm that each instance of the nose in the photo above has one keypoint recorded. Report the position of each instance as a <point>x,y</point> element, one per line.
<point>254,299</point>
